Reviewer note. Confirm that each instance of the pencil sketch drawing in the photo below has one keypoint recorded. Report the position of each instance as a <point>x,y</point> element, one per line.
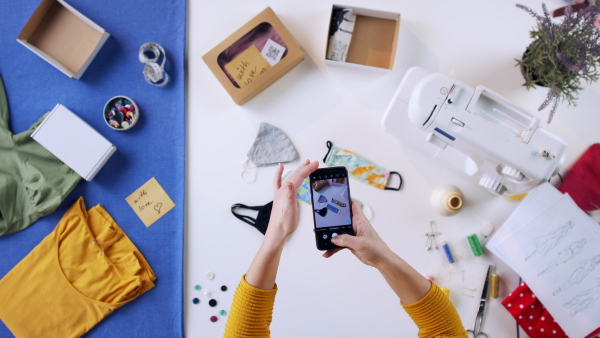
<point>583,270</point>
<point>584,299</point>
<point>548,242</point>
<point>565,255</point>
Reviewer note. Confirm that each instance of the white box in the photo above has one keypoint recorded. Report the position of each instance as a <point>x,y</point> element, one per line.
<point>374,40</point>
<point>74,142</point>
<point>62,36</point>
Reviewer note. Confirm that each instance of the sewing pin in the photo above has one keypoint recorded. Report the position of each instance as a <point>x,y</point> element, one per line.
<point>433,234</point>
<point>428,242</point>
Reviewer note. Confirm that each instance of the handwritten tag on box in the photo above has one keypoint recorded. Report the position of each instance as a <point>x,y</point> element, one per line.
<point>150,202</point>
<point>247,66</point>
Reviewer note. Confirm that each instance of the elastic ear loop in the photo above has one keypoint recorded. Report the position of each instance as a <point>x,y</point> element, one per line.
<point>244,218</point>
<point>248,168</point>
<point>329,145</point>
<point>399,186</point>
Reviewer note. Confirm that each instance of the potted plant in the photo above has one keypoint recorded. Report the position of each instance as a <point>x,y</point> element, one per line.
<point>562,54</point>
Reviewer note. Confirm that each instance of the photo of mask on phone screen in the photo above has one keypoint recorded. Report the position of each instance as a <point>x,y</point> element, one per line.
<point>332,208</point>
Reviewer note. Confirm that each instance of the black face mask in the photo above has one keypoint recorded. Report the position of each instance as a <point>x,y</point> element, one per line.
<point>321,212</point>
<point>261,222</point>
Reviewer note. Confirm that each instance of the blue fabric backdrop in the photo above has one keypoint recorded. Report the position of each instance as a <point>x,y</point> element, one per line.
<point>155,147</point>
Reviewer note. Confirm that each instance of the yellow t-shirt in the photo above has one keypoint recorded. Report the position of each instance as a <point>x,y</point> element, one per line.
<point>81,272</point>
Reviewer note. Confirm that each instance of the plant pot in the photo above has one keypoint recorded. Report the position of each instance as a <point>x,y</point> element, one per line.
<point>534,77</point>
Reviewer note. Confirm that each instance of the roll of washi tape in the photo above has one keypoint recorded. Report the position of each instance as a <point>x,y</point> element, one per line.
<point>494,285</point>
<point>447,199</point>
<point>154,73</point>
<point>475,245</point>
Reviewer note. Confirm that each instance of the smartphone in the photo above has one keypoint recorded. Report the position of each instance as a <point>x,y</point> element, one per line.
<point>331,203</point>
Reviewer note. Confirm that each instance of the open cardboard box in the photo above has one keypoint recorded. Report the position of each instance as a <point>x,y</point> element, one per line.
<point>374,40</point>
<point>246,38</point>
<point>64,37</point>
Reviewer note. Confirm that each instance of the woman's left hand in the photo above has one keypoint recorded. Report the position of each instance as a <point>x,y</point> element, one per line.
<point>285,215</point>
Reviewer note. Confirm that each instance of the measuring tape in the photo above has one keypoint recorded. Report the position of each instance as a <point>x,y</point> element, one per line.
<point>153,72</point>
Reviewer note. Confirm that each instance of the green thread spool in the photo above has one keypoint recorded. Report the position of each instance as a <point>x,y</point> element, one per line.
<point>475,245</point>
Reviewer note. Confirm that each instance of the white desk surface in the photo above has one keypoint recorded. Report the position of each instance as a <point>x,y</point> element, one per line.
<point>315,102</point>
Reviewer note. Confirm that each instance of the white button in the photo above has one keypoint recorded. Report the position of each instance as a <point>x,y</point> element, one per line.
<point>210,275</point>
<point>324,236</point>
<point>333,235</point>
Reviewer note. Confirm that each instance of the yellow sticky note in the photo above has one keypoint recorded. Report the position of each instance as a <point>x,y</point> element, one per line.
<point>247,66</point>
<point>150,202</point>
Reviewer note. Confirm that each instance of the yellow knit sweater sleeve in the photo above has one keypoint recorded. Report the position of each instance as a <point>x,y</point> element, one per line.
<point>435,315</point>
<point>251,311</point>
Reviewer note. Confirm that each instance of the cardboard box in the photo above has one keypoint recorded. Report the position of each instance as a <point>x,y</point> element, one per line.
<point>241,41</point>
<point>374,40</point>
<point>61,35</point>
<point>69,137</point>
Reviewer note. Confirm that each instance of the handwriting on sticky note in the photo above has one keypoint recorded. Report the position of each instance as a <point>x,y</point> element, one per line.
<point>150,202</point>
<point>247,66</point>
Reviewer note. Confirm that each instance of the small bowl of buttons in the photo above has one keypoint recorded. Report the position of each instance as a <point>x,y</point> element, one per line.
<point>121,113</point>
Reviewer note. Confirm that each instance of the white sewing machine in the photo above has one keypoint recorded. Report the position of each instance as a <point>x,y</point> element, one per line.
<point>498,143</point>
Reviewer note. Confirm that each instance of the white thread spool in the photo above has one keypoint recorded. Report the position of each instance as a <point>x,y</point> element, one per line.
<point>447,200</point>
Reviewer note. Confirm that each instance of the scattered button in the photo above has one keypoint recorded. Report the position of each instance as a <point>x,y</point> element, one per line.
<point>197,287</point>
<point>207,294</point>
<point>214,319</point>
<point>196,301</point>
<point>223,312</point>
<point>210,275</point>
<point>212,303</point>
<point>223,288</point>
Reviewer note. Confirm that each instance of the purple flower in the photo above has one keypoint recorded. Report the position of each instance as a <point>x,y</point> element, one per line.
<point>565,60</point>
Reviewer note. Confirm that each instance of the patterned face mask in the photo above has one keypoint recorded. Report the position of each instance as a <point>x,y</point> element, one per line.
<point>360,168</point>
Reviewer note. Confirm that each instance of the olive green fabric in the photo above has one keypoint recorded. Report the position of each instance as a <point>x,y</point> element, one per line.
<point>33,182</point>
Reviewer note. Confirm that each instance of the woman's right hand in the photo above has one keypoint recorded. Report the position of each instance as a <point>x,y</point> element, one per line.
<point>366,245</point>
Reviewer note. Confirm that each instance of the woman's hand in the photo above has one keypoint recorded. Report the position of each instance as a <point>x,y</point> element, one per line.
<point>283,222</point>
<point>366,245</point>
<point>285,215</point>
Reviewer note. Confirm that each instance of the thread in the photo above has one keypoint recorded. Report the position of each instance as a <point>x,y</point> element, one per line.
<point>447,200</point>
<point>448,252</point>
<point>494,285</point>
<point>475,245</point>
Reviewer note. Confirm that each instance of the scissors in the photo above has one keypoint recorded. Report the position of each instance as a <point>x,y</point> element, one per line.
<point>476,332</point>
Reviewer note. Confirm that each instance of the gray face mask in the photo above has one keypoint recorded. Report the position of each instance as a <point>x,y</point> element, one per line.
<point>271,146</point>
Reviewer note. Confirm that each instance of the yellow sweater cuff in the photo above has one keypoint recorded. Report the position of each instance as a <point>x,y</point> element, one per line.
<point>251,311</point>
<point>435,315</point>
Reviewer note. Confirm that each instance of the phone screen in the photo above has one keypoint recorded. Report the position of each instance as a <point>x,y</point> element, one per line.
<point>332,209</point>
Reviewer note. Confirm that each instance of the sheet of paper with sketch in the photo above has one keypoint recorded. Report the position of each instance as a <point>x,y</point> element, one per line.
<point>558,256</point>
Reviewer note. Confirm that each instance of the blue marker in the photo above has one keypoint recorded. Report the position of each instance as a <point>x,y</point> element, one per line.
<point>448,252</point>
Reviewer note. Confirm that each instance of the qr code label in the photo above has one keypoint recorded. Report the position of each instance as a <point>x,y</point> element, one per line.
<point>272,52</point>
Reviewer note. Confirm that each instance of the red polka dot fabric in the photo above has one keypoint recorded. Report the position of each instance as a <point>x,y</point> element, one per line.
<point>532,316</point>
